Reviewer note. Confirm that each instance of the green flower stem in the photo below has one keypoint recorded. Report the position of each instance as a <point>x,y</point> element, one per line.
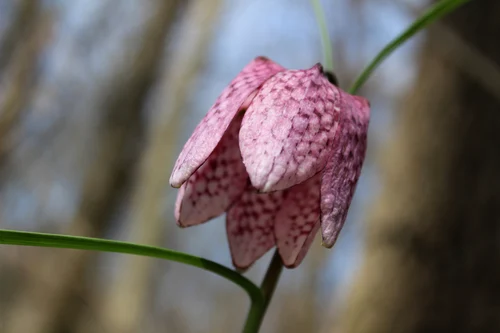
<point>257,311</point>
<point>435,12</point>
<point>325,38</point>
<point>23,238</point>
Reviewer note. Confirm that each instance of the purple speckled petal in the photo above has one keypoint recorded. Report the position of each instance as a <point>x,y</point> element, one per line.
<point>298,221</point>
<point>209,131</point>
<point>342,171</point>
<point>288,128</point>
<point>250,223</point>
<point>220,180</point>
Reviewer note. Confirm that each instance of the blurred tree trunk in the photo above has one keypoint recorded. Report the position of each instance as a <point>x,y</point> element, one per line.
<point>24,14</point>
<point>18,63</point>
<point>433,246</point>
<point>49,307</point>
<point>126,305</point>
<point>30,24</point>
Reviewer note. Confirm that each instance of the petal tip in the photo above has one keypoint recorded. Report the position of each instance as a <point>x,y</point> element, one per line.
<point>290,266</point>
<point>268,186</point>
<point>318,66</point>
<point>175,180</point>
<point>240,269</point>
<point>243,265</point>
<point>262,58</point>
<point>178,219</point>
<point>290,262</point>
<point>327,243</point>
<point>180,225</point>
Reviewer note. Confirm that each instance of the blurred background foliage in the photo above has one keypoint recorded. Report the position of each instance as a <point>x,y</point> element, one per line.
<point>98,96</point>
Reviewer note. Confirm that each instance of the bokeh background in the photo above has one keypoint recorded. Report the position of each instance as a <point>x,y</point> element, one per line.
<point>97,98</point>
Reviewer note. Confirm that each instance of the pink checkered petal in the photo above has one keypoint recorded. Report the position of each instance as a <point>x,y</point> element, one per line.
<point>250,223</point>
<point>288,128</point>
<point>220,180</point>
<point>342,171</point>
<point>209,131</point>
<point>297,222</point>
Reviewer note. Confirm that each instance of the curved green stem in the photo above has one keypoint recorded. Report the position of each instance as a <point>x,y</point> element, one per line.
<point>258,310</point>
<point>435,12</point>
<point>325,38</point>
<point>24,238</point>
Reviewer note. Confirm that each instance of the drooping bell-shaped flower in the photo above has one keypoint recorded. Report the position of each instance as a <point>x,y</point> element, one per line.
<point>281,152</point>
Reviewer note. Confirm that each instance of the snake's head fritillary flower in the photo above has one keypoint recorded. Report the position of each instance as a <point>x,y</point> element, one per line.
<point>281,152</point>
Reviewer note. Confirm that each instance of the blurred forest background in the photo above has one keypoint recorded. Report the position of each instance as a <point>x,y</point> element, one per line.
<point>97,98</point>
